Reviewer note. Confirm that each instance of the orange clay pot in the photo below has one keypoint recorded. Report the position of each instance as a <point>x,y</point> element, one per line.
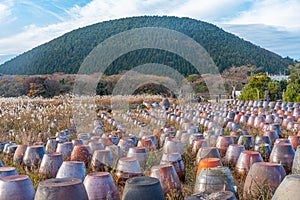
<point>208,163</point>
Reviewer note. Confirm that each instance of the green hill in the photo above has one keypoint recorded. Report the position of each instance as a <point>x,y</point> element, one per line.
<point>66,53</point>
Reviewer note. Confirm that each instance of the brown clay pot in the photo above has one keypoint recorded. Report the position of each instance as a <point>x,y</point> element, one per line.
<point>295,141</point>
<point>127,167</point>
<point>222,144</point>
<point>140,153</point>
<point>19,154</point>
<point>283,153</point>
<point>16,187</point>
<point>197,144</point>
<point>147,143</point>
<point>176,160</point>
<point>81,153</point>
<point>168,178</point>
<point>263,176</point>
<point>100,185</point>
<point>245,161</point>
<point>232,154</point>
<point>208,163</point>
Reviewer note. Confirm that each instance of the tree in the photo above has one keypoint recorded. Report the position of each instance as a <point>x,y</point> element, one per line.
<point>256,87</point>
<point>293,88</point>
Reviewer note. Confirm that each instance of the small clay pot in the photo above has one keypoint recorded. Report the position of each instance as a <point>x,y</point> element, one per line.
<point>7,171</point>
<point>263,176</point>
<point>51,145</point>
<point>245,161</point>
<point>16,187</point>
<point>207,152</point>
<point>140,153</point>
<point>147,143</point>
<point>51,162</point>
<point>19,154</point>
<point>77,142</point>
<point>232,154</point>
<point>222,144</point>
<point>116,152</point>
<point>95,145</point>
<point>102,160</point>
<point>127,167</point>
<point>172,145</point>
<point>65,149</point>
<point>125,144</point>
<point>197,144</point>
<point>62,189</point>
<point>168,178</point>
<point>273,135</point>
<point>176,160</point>
<point>283,153</point>
<point>73,169</point>
<point>295,141</point>
<point>146,188</point>
<point>247,141</point>
<point>261,139</point>
<point>208,163</point>
<point>214,179</point>
<point>33,156</point>
<point>100,185</point>
<point>81,153</point>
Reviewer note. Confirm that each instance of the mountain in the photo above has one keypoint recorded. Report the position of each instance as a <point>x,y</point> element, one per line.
<point>66,53</point>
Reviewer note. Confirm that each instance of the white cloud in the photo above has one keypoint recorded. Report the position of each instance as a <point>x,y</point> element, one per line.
<point>5,12</point>
<point>284,14</point>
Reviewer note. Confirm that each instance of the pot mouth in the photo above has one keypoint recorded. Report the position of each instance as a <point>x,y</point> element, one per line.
<point>14,178</point>
<point>35,146</point>
<point>142,181</point>
<point>5,169</point>
<point>98,174</point>
<point>250,152</point>
<point>60,182</point>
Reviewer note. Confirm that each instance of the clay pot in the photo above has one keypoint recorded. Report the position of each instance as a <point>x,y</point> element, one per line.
<point>81,153</point>
<point>247,141</point>
<point>51,162</point>
<point>197,144</point>
<point>95,145</point>
<point>168,178</point>
<point>19,154</point>
<point>296,162</point>
<point>288,189</point>
<point>16,187</point>
<point>263,139</point>
<point>7,171</point>
<point>272,135</point>
<point>51,145</point>
<point>264,150</point>
<point>176,160</point>
<point>263,176</point>
<point>232,154</point>
<point>127,167</point>
<point>276,127</point>
<point>172,145</point>
<point>207,152</point>
<point>62,189</point>
<point>102,160</point>
<point>194,137</point>
<point>65,149</point>
<point>116,152</point>
<point>214,179</point>
<point>77,142</point>
<point>146,188</point>
<point>71,169</point>
<point>222,144</point>
<point>100,185</point>
<point>284,154</point>
<point>208,163</point>
<point>147,143</point>
<point>33,156</point>
<point>295,140</point>
<point>125,144</point>
<point>282,141</point>
<point>245,161</point>
<point>140,153</point>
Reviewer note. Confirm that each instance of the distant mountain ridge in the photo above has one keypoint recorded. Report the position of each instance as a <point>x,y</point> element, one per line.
<point>66,53</point>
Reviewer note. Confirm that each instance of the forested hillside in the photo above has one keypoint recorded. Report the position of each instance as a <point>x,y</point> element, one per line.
<point>66,53</point>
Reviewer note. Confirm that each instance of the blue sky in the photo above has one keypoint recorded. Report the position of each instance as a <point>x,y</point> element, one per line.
<point>272,24</point>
